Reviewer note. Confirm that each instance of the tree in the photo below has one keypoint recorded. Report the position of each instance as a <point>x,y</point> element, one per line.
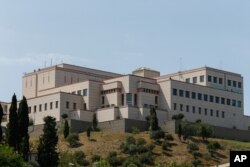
<point>153,120</point>
<point>66,129</point>
<point>1,117</point>
<point>47,155</point>
<point>23,125</point>
<point>88,132</point>
<point>179,131</point>
<point>13,124</point>
<point>205,131</point>
<point>177,117</point>
<point>95,122</point>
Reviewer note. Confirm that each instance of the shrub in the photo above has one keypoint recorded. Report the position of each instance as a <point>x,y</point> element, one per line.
<point>132,149</point>
<point>196,162</point>
<point>140,142</point>
<point>132,161</point>
<point>217,145</point>
<point>178,117</point>
<point>113,159</point>
<point>213,147</point>
<point>146,158</point>
<point>130,140</point>
<point>135,130</point>
<point>73,139</point>
<point>79,155</point>
<point>174,164</point>
<point>95,158</point>
<point>169,137</point>
<point>196,154</point>
<point>192,147</point>
<point>158,134</point>
<point>165,145</point>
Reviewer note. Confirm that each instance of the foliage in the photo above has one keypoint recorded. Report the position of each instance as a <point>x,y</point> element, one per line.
<point>189,129</point>
<point>140,142</point>
<point>95,122</point>
<point>146,158</point>
<point>212,147</point>
<point>9,158</point>
<point>95,158</point>
<point>88,132</point>
<point>192,147</point>
<point>132,161</point>
<point>179,116</point>
<point>165,145</point>
<point>179,131</point>
<point>113,159</point>
<point>1,117</point>
<point>205,131</point>
<point>159,134</point>
<point>73,140</point>
<point>196,162</point>
<point>169,137</point>
<point>64,116</point>
<point>135,130</point>
<point>102,163</point>
<point>174,164</point>
<point>77,158</point>
<point>13,124</point>
<point>80,158</point>
<point>130,140</point>
<point>47,155</point>
<point>153,120</point>
<point>66,129</point>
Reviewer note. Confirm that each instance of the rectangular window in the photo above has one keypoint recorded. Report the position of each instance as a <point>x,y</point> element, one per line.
<point>194,80</point>
<point>175,106</point>
<point>205,97</point>
<point>181,107</point>
<point>187,108</point>
<point>211,112</point>
<point>29,110</point>
<point>205,111</point>
<point>135,100</point>
<point>121,99</point>
<point>199,96</point>
<point>103,100</point>
<point>234,103</point>
<point>229,82</point>
<point>84,106</point>
<point>67,104</point>
<point>199,110</point>
<point>45,107</point>
<point>217,99</point>
<point>187,93</point>
<point>74,106</point>
<point>209,78</point>
<point>222,100</point>
<point>239,104</point>
<point>174,92</point>
<point>223,114</point>
<point>188,80</point>
<point>215,79</point>
<point>34,109</point>
<point>79,92</point>
<point>193,95</point>
<point>202,78</point>
<point>56,104</point>
<point>181,93</point>
<point>229,102</point>
<point>40,107</point>
<point>234,83</point>
<point>74,92</point>
<point>239,85</point>
<point>193,109</point>
<point>85,92</point>
<point>156,100</point>
<point>51,105</point>
<point>211,98</point>
<point>220,81</point>
<point>129,98</point>
<point>217,113</point>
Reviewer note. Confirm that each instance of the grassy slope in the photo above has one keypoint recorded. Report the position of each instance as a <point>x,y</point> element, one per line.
<point>104,142</point>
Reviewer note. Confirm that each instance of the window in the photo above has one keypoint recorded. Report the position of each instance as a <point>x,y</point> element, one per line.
<point>122,100</point>
<point>223,114</point>
<point>211,98</point>
<point>193,109</point>
<point>217,113</point>
<point>45,107</point>
<point>56,104</point>
<point>234,83</point>
<point>205,111</point>
<point>194,80</point>
<point>175,106</point>
<point>209,78</point>
<point>129,98</point>
<point>181,107</point>
<point>175,92</point>
<point>135,100</point>
<point>220,81</point>
<point>74,92</point>
<point>79,92</point>
<point>84,106</point>
<point>199,96</point>
<point>85,92</point>
<point>222,100</point>
<point>29,110</point>
<point>234,103</point>
<point>51,105</point>
<point>229,102</point>
<point>156,99</point>
<point>34,109</point>
<point>40,107</point>
<point>211,112</point>
<point>215,79</point>
<point>103,100</point>
<point>229,83</point>
<point>239,85</point>
<point>187,108</point>
<point>239,104</point>
<point>193,95</point>
<point>217,99</point>
<point>181,93</point>
<point>202,78</point>
<point>199,110</point>
<point>74,106</point>
<point>187,93</point>
<point>188,80</point>
<point>67,104</point>
<point>205,97</point>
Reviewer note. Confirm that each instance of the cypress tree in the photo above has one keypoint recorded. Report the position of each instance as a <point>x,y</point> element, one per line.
<point>23,125</point>
<point>95,122</point>
<point>13,124</point>
<point>1,117</point>
<point>88,132</point>
<point>179,131</point>
<point>66,129</point>
<point>47,155</point>
<point>153,120</point>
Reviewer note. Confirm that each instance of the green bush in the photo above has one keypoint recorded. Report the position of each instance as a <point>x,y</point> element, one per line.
<point>196,162</point>
<point>169,137</point>
<point>102,163</point>
<point>146,158</point>
<point>130,140</point>
<point>158,134</point>
<point>135,130</point>
<point>73,140</point>
<point>132,149</point>
<point>165,145</point>
<point>174,164</point>
<point>95,158</point>
<point>140,142</point>
<point>192,147</point>
<point>132,161</point>
<point>113,159</point>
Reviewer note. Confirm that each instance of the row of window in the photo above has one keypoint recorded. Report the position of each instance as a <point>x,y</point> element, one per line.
<point>199,110</point>
<point>110,91</point>
<point>206,97</point>
<point>83,92</point>
<point>219,80</point>
<point>145,90</point>
<point>43,107</point>
<point>195,79</point>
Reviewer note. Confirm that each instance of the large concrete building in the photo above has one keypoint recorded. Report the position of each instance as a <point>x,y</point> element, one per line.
<point>211,95</point>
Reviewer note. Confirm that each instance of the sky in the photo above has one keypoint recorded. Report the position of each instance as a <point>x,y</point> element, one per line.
<point>120,36</point>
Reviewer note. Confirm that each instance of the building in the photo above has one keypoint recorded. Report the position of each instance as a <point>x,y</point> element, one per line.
<point>211,95</point>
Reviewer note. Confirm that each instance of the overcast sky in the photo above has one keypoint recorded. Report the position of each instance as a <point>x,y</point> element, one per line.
<point>120,36</point>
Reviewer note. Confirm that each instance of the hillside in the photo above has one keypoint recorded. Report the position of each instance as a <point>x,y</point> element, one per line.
<point>101,143</point>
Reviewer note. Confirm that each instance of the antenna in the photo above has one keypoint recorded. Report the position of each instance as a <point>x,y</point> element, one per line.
<point>51,61</point>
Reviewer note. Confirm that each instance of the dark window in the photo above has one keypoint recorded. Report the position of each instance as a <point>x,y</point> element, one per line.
<point>29,109</point>
<point>156,99</point>
<point>34,109</point>
<point>209,78</point>
<point>188,80</point>
<point>234,103</point>
<point>79,92</point>
<point>229,102</point>
<point>239,85</point>
<point>103,100</point>
<point>181,93</point>
<point>205,97</point>
<point>56,104</point>
<point>193,95</point>
<point>181,107</point>
<point>222,100</point>
<point>199,96</point>
<point>129,98</point>
<point>205,111</point>
<point>51,105</point>
<point>74,92</point>
<point>199,110</point>
<point>223,114</point>
<point>175,92</point>
<point>187,94</point>
<point>229,82</point>
<point>40,107</point>
<point>217,99</point>
<point>85,92</point>
<point>215,79</point>
<point>234,83</point>
<point>211,98</point>
<point>220,81</point>
<point>217,113</point>
<point>194,79</point>
<point>67,104</point>
<point>175,106</point>
<point>187,108</point>
<point>45,107</point>
<point>135,99</point>
<point>202,78</point>
<point>74,106</point>
<point>211,113</point>
<point>193,109</point>
<point>239,104</point>
<point>122,99</point>
<point>84,106</point>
